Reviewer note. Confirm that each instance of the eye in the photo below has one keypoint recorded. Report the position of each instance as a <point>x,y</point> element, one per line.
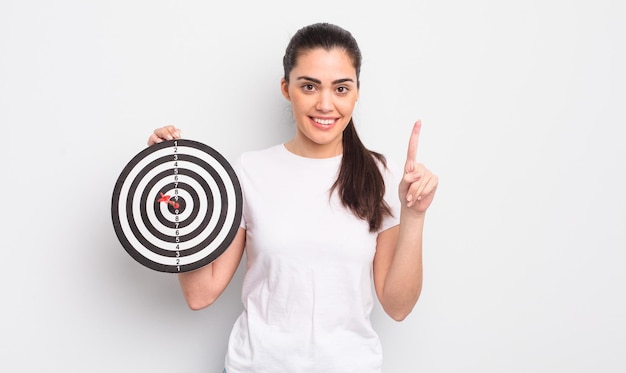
<point>308,87</point>
<point>342,90</point>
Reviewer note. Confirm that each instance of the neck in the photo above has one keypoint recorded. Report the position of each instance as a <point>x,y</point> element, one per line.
<point>310,149</point>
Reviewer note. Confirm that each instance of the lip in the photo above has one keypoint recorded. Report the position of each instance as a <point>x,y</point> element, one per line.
<point>323,126</point>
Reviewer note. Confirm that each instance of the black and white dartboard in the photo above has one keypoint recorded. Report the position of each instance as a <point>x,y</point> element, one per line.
<point>177,206</point>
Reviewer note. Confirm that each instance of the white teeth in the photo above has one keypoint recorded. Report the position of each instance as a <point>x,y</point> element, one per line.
<point>324,121</point>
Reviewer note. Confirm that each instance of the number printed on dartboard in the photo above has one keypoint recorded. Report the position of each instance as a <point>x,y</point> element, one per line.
<point>176,207</point>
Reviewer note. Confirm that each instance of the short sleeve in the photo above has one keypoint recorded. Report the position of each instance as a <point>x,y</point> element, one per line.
<point>239,171</point>
<point>391,176</point>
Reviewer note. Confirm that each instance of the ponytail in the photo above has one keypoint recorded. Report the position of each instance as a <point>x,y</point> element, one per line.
<point>360,183</point>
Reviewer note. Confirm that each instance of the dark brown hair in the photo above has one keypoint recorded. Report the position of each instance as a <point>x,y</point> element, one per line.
<point>360,183</point>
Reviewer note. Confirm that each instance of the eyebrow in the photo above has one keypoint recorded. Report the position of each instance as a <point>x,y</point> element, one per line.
<point>338,81</point>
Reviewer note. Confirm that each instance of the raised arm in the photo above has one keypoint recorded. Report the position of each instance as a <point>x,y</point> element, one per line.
<point>398,260</point>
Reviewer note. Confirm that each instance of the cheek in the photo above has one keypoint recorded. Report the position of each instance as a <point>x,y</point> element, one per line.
<point>299,102</point>
<point>299,109</point>
<point>346,107</point>
<point>304,106</point>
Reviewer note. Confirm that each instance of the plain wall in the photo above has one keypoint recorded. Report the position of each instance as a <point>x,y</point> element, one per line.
<point>524,121</point>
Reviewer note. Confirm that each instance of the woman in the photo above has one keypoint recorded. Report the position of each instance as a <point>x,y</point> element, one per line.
<point>320,226</point>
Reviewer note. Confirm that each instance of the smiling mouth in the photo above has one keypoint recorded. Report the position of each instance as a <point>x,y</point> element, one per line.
<point>324,122</point>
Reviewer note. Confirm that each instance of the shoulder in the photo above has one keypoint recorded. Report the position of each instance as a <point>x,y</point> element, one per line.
<point>259,162</point>
<point>253,157</point>
<point>389,169</point>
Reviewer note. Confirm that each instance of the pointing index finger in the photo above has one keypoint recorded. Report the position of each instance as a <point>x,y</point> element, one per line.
<point>413,141</point>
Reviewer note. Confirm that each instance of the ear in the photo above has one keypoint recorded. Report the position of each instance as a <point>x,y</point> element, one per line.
<point>284,89</point>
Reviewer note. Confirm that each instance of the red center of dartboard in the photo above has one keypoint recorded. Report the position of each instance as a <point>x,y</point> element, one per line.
<point>173,203</point>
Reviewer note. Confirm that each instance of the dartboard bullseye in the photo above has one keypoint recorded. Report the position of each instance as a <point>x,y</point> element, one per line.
<point>177,206</point>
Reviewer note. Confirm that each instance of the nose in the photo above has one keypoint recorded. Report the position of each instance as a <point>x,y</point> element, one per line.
<point>325,102</point>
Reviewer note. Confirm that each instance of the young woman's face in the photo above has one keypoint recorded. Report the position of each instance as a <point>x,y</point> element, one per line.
<point>323,91</point>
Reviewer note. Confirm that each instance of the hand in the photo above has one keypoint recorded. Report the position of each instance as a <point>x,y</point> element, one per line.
<point>418,185</point>
<point>164,133</point>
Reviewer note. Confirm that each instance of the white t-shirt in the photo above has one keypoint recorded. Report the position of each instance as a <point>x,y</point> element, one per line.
<point>307,293</point>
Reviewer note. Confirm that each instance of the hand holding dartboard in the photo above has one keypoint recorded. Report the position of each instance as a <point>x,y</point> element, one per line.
<point>176,206</point>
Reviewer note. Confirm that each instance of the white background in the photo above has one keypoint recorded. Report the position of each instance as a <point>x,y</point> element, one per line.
<point>524,121</point>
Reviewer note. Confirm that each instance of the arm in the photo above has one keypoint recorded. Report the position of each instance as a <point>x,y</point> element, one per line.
<point>398,261</point>
<point>203,286</point>
<point>398,266</point>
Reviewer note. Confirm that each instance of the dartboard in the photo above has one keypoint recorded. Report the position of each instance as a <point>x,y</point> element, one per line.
<point>176,206</point>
